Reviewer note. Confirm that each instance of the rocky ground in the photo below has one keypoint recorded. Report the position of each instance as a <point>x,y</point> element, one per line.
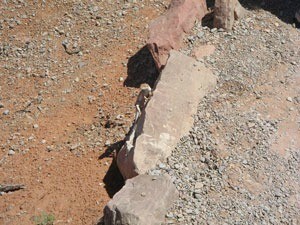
<point>240,162</point>
<point>62,102</point>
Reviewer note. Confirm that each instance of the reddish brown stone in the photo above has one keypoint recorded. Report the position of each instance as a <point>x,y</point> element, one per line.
<point>166,32</point>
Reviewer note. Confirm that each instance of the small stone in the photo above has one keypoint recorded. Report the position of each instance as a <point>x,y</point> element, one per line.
<point>170,215</point>
<point>290,99</point>
<point>49,148</point>
<point>202,159</point>
<point>121,79</point>
<point>198,185</point>
<point>6,112</point>
<point>213,30</point>
<point>162,166</point>
<point>107,143</point>
<point>1,105</point>
<point>35,126</point>
<point>11,152</point>
<point>200,34</point>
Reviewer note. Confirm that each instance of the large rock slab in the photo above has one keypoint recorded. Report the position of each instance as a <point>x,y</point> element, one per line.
<point>168,115</point>
<point>226,11</point>
<point>166,32</point>
<point>143,200</point>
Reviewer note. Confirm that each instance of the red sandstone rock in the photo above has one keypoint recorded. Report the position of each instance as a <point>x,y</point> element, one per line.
<point>166,32</point>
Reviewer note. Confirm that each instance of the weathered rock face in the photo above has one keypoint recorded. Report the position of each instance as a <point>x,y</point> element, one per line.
<point>166,32</point>
<point>226,11</point>
<point>168,115</point>
<point>143,200</point>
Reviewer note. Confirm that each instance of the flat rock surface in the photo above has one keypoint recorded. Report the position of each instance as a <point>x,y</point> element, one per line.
<point>143,200</point>
<point>169,114</point>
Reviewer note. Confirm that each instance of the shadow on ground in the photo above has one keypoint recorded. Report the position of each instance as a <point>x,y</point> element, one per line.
<point>113,179</point>
<point>285,10</point>
<point>141,69</point>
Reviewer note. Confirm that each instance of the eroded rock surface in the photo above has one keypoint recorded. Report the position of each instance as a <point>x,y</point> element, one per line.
<point>168,115</point>
<point>143,200</point>
<point>166,32</point>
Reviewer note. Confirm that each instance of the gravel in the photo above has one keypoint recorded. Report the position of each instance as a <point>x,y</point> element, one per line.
<point>224,169</point>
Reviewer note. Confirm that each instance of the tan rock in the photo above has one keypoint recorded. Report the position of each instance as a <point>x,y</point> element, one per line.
<point>168,115</point>
<point>143,200</point>
<point>203,51</point>
<point>166,32</point>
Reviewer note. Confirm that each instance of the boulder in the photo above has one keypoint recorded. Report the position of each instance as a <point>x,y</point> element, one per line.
<point>226,11</point>
<point>166,32</point>
<point>143,200</point>
<point>168,115</point>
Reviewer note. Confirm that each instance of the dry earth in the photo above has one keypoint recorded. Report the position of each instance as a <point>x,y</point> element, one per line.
<point>61,107</point>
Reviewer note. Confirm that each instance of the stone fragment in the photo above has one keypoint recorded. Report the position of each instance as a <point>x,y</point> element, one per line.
<point>166,32</point>
<point>226,11</point>
<point>143,200</point>
<point>11,152</point>
<point>168,115</point>
<point>6,112</point>
<point>204,50</point>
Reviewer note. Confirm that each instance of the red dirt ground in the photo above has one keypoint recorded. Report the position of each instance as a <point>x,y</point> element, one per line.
<point>80,105</point>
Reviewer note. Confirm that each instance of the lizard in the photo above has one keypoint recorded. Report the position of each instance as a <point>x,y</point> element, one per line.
<point>142,100</point>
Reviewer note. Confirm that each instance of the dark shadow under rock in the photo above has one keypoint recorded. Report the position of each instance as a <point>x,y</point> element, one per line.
<point>113,180</point>
<point>284,9</point>
<point>141,69</point>
<point>111,149</point>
